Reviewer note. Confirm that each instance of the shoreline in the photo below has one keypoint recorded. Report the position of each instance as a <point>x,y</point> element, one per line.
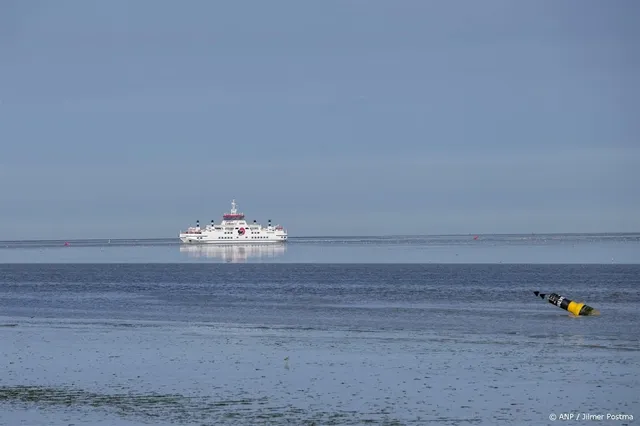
<point>233,375</point>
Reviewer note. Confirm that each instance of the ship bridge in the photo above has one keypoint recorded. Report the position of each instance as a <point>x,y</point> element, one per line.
<point>233,215</point>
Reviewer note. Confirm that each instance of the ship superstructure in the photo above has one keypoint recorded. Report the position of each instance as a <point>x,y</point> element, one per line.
<point>234,229</point>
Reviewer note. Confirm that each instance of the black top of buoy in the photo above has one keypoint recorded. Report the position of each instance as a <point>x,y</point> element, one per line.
<point>542,295</point>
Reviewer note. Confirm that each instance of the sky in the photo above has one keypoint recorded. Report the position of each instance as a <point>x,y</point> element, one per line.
<point>132,119</point>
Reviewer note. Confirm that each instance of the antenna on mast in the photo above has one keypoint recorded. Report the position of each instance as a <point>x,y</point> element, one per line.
<point>233,207</point>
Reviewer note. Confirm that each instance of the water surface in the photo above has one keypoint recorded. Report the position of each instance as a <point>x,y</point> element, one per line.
<point>553,248</point>
<point>335,331</point>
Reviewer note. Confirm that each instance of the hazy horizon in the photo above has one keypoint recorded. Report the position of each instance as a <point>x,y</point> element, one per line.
<point>123,119</point>
<point>338,237</point>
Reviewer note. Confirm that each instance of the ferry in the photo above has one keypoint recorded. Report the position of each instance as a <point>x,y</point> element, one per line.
<point>234,229</point>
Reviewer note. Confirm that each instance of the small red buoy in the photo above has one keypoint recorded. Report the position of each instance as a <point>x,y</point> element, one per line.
<point>475,237</point>
<point>66,243</point>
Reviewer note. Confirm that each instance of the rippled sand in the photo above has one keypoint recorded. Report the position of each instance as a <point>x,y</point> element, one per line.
<point>80,372</point>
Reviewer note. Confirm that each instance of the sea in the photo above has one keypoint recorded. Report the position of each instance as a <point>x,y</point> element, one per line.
<point>441,330</point>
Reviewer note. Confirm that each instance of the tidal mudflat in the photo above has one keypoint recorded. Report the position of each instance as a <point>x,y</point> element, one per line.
<point>135,373</point>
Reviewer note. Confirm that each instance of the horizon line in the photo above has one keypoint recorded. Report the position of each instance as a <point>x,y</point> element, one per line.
<point>354,236</point>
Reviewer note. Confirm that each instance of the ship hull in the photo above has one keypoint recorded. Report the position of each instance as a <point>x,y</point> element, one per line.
<point>193,239</point>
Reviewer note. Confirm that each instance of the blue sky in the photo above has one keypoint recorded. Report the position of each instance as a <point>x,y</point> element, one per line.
<point>134,119</point>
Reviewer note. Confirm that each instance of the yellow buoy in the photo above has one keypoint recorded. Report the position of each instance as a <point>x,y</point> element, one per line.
<point>576,308</point>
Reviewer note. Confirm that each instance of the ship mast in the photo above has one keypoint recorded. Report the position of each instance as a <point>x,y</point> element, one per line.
<point>233,214</point>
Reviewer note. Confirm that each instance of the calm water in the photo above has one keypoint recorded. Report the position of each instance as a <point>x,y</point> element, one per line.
<point>476,299</point>
<point>354,337</point>
<point>604,248</point>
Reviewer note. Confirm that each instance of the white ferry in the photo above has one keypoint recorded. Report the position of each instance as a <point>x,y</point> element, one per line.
<point>234,229</point>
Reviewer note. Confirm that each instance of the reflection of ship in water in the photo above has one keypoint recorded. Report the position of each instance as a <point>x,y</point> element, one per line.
<point>234,253</point>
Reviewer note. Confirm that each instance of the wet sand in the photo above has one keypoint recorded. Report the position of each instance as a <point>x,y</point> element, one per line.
<point>61,372</point>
